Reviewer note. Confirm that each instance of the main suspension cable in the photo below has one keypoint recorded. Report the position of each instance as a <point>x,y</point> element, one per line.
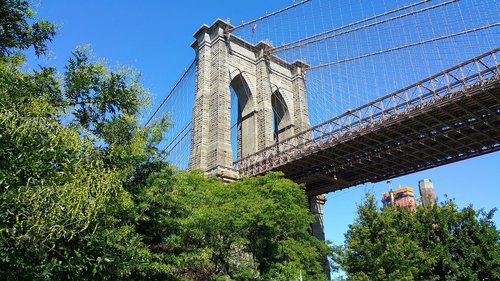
<point>268,15</point>
<point>290,47</point>
<point>350,25</point>
<point>171,91</point>
<point>406,46</point>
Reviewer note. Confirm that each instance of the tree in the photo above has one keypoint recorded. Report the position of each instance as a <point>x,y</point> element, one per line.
<point>84,192</point>
<point>253,228</point>
<point>65,208</point>
<point>70,152</point>
<point>439,243</point>
<point>19,29</point>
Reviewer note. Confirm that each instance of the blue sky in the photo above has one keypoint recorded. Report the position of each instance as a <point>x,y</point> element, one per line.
<point>154,37</point>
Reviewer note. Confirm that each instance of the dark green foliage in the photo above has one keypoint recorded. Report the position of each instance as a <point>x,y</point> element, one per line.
<point>19,30</point>
<point>98,95</point>
<point>251,228</point>
<point>83,194</point>
<point>64,209</point>
<point>439,243</point>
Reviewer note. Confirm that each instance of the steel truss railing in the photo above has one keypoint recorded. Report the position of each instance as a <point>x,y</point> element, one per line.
<point>457,79</point>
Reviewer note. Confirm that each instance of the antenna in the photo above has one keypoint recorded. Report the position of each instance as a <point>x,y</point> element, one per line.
<point>389,183</point>
<point>391,194</point>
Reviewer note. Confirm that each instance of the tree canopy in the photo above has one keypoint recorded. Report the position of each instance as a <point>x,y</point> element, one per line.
<point>84,193</point>
<point>443,242</point>
<point>254,228</point>
<point>20,30</point>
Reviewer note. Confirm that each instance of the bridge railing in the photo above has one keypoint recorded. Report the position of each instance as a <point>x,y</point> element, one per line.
<point>452,80</point>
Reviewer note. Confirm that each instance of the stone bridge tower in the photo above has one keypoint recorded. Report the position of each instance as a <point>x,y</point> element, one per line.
<point>271,103</point>
<point>268,89</point>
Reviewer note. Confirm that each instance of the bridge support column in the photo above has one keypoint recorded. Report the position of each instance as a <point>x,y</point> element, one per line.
<point>223,61</point>
<point>316,204</point>
<point>299,98</point>
<point>262,98</point>
<point>211,146</point>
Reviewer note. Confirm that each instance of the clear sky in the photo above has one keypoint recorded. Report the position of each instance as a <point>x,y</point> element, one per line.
<point>154,37</point>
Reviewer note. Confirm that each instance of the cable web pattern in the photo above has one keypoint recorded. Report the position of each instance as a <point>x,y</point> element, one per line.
<point>177,107</point>
<point>357,51</point>
<point>361,50</point>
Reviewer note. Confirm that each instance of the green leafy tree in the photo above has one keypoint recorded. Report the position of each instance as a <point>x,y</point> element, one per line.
<point>20,30</point>
<point>439,243</point>
<point>253,228</point>
<point>84,194</point>
<point>71,151</point>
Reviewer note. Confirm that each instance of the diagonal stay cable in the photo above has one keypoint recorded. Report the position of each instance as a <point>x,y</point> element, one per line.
<point>188,125</point>
<point>372,103</point>
<point>281,49</point>
<point>165,153</point>
<point>407,46</point>
<point>268,15</point>
<point>171,91</point>
<point>277,49</point>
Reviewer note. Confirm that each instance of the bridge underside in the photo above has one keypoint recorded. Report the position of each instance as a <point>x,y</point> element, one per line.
<point>450,128</point>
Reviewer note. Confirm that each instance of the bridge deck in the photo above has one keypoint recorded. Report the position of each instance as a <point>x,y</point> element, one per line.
<point>440,133</point>
<point>460,120</point>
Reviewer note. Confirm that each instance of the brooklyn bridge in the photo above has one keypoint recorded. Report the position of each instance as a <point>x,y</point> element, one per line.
<point>336,98</point>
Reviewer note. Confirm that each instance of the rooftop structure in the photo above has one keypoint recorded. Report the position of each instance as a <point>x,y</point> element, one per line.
<point>427,195</point>
<point>401,197</point>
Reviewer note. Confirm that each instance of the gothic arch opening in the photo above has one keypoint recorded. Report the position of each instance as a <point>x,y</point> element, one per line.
<point>243,123</point>
<point>281,117</point>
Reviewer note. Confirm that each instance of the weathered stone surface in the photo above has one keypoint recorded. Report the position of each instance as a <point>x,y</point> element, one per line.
<point>263,83</point>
